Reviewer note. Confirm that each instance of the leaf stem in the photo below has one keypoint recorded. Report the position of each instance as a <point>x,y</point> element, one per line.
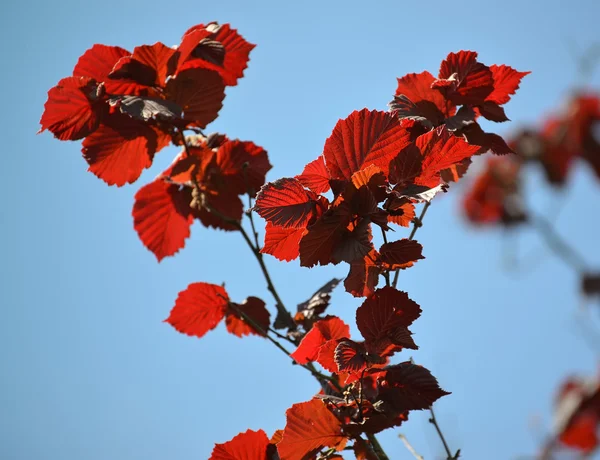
<point>417,223</point>
<point>434,422</point>
<point>377,447</point>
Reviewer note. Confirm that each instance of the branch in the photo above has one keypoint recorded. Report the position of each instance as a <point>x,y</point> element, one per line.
<point>377,447</point>
<point>309,367</point>
<point>417,223</point>
<point>434,422</point>
<point>558,245</point>
<point>410,448</point>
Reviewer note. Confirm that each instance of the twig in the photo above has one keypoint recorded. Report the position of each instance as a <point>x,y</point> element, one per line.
<point>309,367</point>
<point>558,245</point>
<point>377,447</point>
<point>386,274</point>
<point>410,448</point>
<point>434,422</point>
<point>418,222</point>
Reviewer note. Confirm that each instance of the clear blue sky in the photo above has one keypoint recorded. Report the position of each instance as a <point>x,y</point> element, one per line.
<point>90,371</point>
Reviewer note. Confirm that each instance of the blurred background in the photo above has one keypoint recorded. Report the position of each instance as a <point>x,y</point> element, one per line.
<point>89,369</point>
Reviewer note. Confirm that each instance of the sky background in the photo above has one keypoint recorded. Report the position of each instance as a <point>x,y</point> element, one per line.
<point>90,371</point>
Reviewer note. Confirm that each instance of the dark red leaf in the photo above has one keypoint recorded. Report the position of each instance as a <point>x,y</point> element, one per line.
<point>492,111</point>
<point>199,309</point>
<point>251,445</point>
<point>244,166</point>
<point>315,176</point>
<point>363,276</point>
<point>222,49</point>
<point>310,427</point>
<point>252,307</point>
<point>352,244</point>
<point>364,138</point>
<point>408,386</point>
<point>162,217</point>
<point>225,204</point>
<point>199,92</point>
<point>350,356</point>
<point>384,311</point>
<point>286,203</point>
<point>401,254</point>
<point>318,245</point>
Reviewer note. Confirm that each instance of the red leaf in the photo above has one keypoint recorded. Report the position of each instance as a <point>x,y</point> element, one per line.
<point>350,356</point>
<point>244,166</point>
<point>310,427</point>
<point>431,153</point>
<point>226,204</point>
<point>282,243</point>
<point>315,176</point>
<point>150,65</point>
<point>98,62</point>
<point>318,245</point>
<point>72,110</point>
<point>401,254</point>
<point>423,101</point>
<point>120,149</point>
<point>222,49</point>
<point>251,445</point>
<point>363,276</point>
<point>506,82</point>
<point>353,244</point>
<point>364,138</point>
<point>254,308</point>
<point>326,356</point>
<point>198,309</point>
<point>162,217</point>
<point>286,203</point>
<point>385,311</point>
<point>470,82</point>
<point>401,211</point>
<point>322,331</point>
<point>407,386</point>
<point>486,141</point>
<point>199,92</point>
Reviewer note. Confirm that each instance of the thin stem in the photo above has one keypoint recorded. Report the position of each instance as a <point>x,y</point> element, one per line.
<point>417,223</point>
<point>410,448</point>
<point>309,367</point>
<point>377,447</point>
<point>386,274</point>
<point>281,310</point>
<point>558,245</point>
<point>434,422</point>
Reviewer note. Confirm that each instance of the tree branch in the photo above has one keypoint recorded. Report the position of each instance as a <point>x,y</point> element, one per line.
<point>558,245</point>
<point>417,223</point>
<point>434,422</point>
<point>410,448</point>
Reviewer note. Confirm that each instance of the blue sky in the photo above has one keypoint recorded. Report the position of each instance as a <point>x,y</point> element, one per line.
<point>89,368</point>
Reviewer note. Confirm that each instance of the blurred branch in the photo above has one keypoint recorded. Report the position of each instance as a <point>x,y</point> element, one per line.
<point>410,448</point>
